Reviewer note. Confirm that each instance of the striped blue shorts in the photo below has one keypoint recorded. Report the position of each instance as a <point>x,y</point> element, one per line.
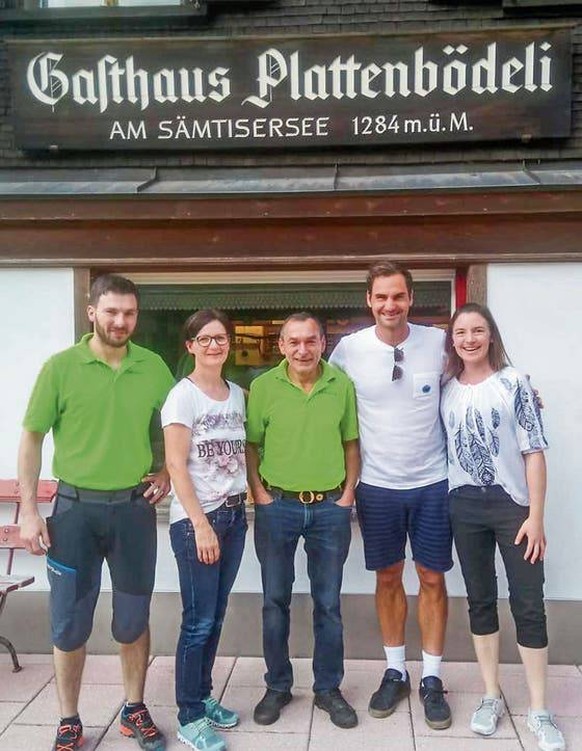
<point>387,517</point>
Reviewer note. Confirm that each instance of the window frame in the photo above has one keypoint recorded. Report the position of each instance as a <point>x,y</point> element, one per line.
<point>188,9</point>
<point>30,12</point>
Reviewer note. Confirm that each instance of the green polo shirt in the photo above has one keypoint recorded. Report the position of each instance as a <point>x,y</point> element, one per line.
<point>302,435</point>
<point>100,417</point>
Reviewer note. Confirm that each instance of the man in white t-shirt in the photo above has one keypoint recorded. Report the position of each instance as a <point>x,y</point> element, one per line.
<point>396,368</point>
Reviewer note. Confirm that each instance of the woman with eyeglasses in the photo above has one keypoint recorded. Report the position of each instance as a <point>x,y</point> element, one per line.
<point>497,484</point>
<point>203,420</point>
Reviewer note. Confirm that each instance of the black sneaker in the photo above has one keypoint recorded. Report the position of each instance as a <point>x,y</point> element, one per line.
<point>69,735</point>
<point>437,712</point>
<point>137,723</point>
<point>268,710</point>
<point>392,690</point>
<point>339,711</point>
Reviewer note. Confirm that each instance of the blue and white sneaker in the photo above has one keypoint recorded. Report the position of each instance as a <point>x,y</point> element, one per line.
<point>220,716</point>
<point>200,736</point>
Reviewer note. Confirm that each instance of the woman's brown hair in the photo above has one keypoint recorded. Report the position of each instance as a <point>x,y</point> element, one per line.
<point>198,321</point>
<point>498,357</point>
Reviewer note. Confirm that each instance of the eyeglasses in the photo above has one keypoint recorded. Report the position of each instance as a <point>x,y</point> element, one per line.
<point>205,341</point>
<point>397,371</point>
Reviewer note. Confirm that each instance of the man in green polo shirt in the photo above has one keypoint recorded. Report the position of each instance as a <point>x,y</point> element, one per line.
<point>98,398</point>
<point>303,463</point>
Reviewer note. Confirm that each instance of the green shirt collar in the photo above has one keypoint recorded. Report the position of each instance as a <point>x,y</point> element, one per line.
<point>327,375</point>
<point>134,353</point>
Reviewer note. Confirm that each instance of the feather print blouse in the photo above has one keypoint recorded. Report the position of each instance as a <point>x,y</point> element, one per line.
<point>489,426</point>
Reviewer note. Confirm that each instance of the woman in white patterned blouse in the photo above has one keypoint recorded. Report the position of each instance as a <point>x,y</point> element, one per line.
<point>497,487</point>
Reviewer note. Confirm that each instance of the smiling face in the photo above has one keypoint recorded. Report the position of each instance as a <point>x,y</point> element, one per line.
<point>114,318</point>
<point>471,338</point>
<point>390,301</point>
<point>211,345</point>
<point>302,345</point>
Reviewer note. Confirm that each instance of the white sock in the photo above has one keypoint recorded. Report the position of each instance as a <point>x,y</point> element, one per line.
<point>395,659</point>
<point>431,664</point>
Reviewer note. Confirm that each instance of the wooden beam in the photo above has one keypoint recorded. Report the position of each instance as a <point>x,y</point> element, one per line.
<point>353,208</point>
<point>323,231</point>
<point>477,283</point>
<point>81,286</point>
<point>476,239</point>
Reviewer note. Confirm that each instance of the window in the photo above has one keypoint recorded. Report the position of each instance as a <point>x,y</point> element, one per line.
<point>99,11</point>
<point>46,11</point>
<point>106,3</point>
<point>257,310</point>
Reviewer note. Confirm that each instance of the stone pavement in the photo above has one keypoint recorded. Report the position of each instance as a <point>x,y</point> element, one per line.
<point>28,708</point>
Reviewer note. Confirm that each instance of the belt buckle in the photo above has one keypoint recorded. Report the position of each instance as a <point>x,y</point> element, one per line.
<point>305,501</point>
<point>235,503</point>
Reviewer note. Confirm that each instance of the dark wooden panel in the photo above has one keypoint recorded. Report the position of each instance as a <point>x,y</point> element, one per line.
<point>477,283</point>
<point>537,4</point>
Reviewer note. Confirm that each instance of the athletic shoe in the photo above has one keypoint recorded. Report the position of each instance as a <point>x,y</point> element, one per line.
<point>69,735</point>
<point>268,710</point>
<point>219,716</point>
<point>486,716</point>
<point>549,737</point>
<point>200,735</point>
<point>437,713</point>
<point>392,690</point>
<point>137,723</point>
<point>339,711</point>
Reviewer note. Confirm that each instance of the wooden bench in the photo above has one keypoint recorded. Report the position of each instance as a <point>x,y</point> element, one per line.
<point>10,541</point>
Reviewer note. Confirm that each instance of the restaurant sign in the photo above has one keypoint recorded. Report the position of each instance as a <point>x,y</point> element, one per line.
<point>184,93</point>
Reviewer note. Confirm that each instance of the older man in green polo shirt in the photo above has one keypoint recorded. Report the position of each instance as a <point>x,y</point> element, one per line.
<point>98,398</point>
<point>303,461</point>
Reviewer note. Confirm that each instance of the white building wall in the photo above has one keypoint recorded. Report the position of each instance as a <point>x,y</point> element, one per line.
<point>538,308</point>
<point>37,314</point>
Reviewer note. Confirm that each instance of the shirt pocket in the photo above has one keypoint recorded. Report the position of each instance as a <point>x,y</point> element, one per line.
<point>425,385</point>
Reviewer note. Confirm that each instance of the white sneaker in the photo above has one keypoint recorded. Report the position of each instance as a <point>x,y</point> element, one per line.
<point>548,734</point>
<point>485,717</point>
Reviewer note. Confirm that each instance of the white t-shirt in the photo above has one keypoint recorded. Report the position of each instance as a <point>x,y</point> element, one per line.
<point>489,426</point>
<point>217,451</point>
<point>401,437</point>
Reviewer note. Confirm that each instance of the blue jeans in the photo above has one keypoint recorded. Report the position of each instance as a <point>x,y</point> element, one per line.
<point>326,530</point>
<point>204,589</point>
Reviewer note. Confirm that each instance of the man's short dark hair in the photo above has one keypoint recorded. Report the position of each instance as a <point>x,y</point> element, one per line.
<point>111,283</point>
<point>388,268</point>
<point>302,315</point>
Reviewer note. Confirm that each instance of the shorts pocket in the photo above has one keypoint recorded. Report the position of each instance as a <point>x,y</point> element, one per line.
<point>63,597</point>
<point>63,505</point>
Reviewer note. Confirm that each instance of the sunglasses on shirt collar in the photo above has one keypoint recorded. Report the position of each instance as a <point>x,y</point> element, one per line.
<point>397,371</point>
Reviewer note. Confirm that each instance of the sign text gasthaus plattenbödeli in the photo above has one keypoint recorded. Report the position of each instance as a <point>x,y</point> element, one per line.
<point>291,91</point>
